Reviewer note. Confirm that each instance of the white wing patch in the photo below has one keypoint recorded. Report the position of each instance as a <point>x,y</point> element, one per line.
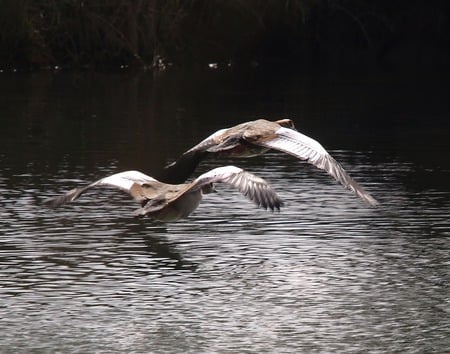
<point>297,144</point>
<point>251,186</point>
<point>124,180</point>
<point>217,175</point>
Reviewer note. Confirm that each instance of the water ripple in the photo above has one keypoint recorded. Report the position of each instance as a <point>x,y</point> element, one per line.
<point>326,273</point>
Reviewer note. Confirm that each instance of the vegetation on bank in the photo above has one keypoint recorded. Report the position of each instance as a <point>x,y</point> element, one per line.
<point>110,33</point>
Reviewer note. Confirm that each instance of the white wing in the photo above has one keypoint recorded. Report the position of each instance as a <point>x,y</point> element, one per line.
<point>251,186</point>
<point>123,180</point>
<point>306,148</point>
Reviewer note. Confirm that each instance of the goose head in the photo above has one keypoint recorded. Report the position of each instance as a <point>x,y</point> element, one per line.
<point>286,123</point>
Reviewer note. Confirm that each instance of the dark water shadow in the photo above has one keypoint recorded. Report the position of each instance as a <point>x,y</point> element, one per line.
<point>145,234</point>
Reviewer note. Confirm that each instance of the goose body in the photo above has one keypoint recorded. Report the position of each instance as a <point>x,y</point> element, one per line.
<point>256,137</point>
<point>170,202</point>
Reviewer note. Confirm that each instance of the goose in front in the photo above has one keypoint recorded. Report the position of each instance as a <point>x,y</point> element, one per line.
<point>256,137</point>
<point>170,202</point>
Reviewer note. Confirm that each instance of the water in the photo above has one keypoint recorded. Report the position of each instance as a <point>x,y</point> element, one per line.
<point>326,274</point>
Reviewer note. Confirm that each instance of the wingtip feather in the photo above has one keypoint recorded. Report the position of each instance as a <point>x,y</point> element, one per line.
<point>60,200</point>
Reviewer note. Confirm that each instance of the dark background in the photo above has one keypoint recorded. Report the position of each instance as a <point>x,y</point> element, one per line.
<point>288,34</point>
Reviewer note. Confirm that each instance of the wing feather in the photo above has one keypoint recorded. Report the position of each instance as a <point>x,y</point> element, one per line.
<point>206,143</point>
<point>310,150</point>
<point>254,188</point>
<point>125,181</point>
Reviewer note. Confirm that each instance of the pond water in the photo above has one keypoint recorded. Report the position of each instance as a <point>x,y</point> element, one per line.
<point>325,274</point>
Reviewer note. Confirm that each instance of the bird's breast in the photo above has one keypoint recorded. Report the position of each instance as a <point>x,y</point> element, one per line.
<point>182,207</point>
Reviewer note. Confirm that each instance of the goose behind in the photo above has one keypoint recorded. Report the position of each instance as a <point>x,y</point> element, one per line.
<point>171,202</point>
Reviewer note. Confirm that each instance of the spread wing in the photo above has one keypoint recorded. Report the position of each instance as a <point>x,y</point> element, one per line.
<point>128,181</point>
<point>308,149</point>
<point>254,188</point>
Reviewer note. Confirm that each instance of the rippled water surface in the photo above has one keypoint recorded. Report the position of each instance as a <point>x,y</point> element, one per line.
<point>326,274</point>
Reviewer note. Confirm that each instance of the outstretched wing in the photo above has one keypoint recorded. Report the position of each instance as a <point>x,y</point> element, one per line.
<point>251,186</point>
<point>128,181</point>
<point>310,150</point>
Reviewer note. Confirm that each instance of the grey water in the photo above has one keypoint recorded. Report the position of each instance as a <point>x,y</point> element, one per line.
<point>325,274</point>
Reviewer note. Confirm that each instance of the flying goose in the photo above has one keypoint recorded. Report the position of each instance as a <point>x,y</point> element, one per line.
<point>256,137</point>
<point>170,202</point>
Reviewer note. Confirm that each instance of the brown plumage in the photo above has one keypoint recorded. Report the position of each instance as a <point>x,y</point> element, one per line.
<point>256,137</point>
<point>170,202</point>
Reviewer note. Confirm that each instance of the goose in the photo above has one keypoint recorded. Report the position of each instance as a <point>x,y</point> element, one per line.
<point>255,138</point>
<point>170,202</point>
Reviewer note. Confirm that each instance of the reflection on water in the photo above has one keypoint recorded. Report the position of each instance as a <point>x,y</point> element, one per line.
<point>326,274</point>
